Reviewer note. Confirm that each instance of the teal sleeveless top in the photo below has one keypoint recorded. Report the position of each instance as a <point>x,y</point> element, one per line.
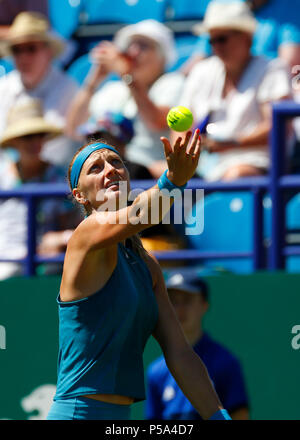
<point>102,337</point>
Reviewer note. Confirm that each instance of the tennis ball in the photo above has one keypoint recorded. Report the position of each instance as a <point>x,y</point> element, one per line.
<point>180,118</point>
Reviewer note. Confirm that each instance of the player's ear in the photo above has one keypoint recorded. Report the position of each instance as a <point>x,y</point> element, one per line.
<point>78,196</point>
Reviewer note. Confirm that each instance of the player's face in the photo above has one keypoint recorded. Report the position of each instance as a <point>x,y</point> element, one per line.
<point>190,309</point>
<point>104,177</point>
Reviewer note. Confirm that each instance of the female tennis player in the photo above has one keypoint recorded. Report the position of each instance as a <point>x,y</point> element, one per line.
<point>113,296</point>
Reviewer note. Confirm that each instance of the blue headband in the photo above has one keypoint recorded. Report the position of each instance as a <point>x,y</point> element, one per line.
<point>82,157</point>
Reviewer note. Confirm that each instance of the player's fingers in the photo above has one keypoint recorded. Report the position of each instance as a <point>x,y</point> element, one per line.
<point>177,145</point>
<point>198,147</point>
<point>167,146</point>
<point>186,141</point>
<point>192,147</point>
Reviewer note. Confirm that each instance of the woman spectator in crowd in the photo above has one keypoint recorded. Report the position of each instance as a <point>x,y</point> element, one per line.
<point>139,55</point>
<point>230,95</point>
<point>26,132</point>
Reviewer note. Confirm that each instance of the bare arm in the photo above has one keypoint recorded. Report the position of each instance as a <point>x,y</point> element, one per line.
<point>154,116</point>
<point>79,108</point>
<point>184,364</point>
<point>103,229</point>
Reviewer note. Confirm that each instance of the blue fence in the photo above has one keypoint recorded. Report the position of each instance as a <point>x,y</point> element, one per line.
<point>275,184</point>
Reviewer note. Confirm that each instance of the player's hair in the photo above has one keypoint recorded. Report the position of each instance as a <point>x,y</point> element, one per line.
<point>134,242</point>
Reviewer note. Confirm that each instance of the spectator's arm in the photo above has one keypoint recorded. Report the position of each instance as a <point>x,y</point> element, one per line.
<point>78,111</point>
<point>260,136</point>
<point>154,116</point>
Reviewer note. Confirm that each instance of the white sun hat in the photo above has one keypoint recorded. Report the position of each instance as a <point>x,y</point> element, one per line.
<point>154,30</point>
<point>227,15</point>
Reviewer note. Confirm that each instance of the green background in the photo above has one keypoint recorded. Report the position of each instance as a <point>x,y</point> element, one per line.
<point>252,315</point>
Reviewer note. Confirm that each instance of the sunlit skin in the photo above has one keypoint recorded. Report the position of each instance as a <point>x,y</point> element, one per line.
<point>100,170</point>
<point>147,60</point>
<point>235,52</point>
<point>33,61</point>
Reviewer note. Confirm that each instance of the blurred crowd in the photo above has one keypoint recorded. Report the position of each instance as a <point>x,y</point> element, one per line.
<point>246,57</point>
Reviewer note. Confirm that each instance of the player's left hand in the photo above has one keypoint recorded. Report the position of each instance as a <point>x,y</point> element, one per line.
<point>183,157</point>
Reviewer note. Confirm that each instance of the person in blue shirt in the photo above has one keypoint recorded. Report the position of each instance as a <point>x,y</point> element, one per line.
<point>165,400</point>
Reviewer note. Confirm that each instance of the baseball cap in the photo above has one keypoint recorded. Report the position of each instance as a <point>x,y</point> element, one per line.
<point>116,124</point>
<point>187,283</point>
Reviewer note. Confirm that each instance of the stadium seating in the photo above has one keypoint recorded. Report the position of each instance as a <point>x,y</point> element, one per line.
<point>185,45</point>
<point>121,11</point>
<point>6,66</point>
<point>293,228</point>
<point>228,227</point>
<point>64,16</point>
<point>186,9</point>
<point>79,68</point>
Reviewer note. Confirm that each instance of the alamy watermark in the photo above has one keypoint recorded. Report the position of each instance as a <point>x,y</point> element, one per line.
<point>295,342</point>
<point>2,338</point>
<point>152,207</point>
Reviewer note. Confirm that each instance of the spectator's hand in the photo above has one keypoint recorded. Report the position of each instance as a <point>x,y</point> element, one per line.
<point>183,158</point>
<point>107,58</point>
<point>214,146</point>
<point>53,243</point>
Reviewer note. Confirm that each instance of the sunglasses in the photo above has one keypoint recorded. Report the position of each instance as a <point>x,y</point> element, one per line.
<point>30,48</point>
<point>32,137</point>
<point>222,39</point>
<point>142,45</point>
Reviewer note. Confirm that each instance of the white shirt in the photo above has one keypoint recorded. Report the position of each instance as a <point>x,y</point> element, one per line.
<point>115,96</point>
<point>238,113</point>
<point>55,91</point>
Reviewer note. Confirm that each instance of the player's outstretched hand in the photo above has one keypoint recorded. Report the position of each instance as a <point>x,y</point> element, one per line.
<point>183,157</point>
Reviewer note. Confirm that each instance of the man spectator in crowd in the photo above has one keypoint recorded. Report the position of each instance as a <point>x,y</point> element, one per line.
<point>34,48</point>
<point>232,92</point>
<point>139,54</point>
<point>277,33</point>
<point>27,131</point>
<point>165,400</point>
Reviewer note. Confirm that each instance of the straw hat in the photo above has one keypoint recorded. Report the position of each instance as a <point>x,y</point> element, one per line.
<point>154,30</point>
<point>222,15</point>
<point>32,26</point>
<point>27,118</point>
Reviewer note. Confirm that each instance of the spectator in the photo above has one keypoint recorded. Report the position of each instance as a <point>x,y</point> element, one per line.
<point>232,92</point>
<point>9,9</point>
<point>140,55</point>
<point>33,49</point>
<point>277,33</point>
<point>165,400</point>
<point>27,131</point>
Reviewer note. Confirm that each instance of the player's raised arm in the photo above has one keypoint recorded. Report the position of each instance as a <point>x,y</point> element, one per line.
<point>99,189</point>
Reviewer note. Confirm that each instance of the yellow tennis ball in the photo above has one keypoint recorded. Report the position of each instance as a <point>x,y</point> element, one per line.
<point>180,118</point>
